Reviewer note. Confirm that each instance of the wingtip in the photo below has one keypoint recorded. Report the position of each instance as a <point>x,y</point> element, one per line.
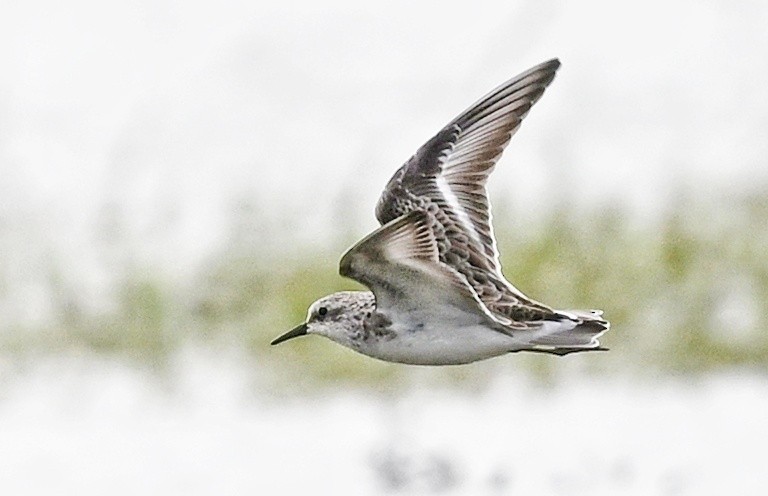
<point>554,62</point>
<point>552,65</point>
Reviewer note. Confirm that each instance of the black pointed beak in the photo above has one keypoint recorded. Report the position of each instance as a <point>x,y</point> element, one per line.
<point>299,330</point>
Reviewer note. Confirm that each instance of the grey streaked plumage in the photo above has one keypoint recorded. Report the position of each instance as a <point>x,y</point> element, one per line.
<point>438,293</point>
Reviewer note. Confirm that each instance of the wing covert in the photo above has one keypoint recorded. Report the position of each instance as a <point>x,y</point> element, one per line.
<point>399,263</point>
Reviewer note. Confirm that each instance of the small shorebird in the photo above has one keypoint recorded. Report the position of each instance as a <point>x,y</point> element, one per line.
<point>438,296</point>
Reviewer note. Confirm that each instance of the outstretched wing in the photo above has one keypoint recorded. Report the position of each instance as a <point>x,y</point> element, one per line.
<point>399,263</point>
<point>447,176</point>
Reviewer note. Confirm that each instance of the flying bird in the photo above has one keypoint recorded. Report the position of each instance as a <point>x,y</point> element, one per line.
<point>437,294</point>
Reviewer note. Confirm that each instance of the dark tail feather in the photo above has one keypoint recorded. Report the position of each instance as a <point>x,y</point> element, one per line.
<point>586,326</point>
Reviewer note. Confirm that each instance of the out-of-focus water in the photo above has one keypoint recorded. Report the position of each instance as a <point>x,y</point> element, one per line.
<point>84,426</point>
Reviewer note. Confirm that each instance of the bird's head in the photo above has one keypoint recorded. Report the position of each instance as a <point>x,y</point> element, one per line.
<point>337,316</point>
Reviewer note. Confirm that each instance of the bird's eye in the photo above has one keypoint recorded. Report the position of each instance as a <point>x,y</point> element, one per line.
<point>322,311</point>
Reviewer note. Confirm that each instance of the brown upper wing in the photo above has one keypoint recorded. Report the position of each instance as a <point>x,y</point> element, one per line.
<point>447,177</point>
<point>399,263</point>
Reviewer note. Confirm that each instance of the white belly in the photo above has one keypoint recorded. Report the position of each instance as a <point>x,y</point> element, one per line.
<point>440,344</point>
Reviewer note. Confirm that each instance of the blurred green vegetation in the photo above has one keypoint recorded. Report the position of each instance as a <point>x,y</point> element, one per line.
<point>685,293</point>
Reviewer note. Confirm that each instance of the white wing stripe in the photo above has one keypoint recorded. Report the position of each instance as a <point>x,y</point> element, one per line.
<point>455,205</point>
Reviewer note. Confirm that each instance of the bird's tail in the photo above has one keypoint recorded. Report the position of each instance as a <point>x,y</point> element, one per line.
<point>576,331</point>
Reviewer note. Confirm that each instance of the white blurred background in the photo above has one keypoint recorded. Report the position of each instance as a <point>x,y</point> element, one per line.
<point>131,131</point>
